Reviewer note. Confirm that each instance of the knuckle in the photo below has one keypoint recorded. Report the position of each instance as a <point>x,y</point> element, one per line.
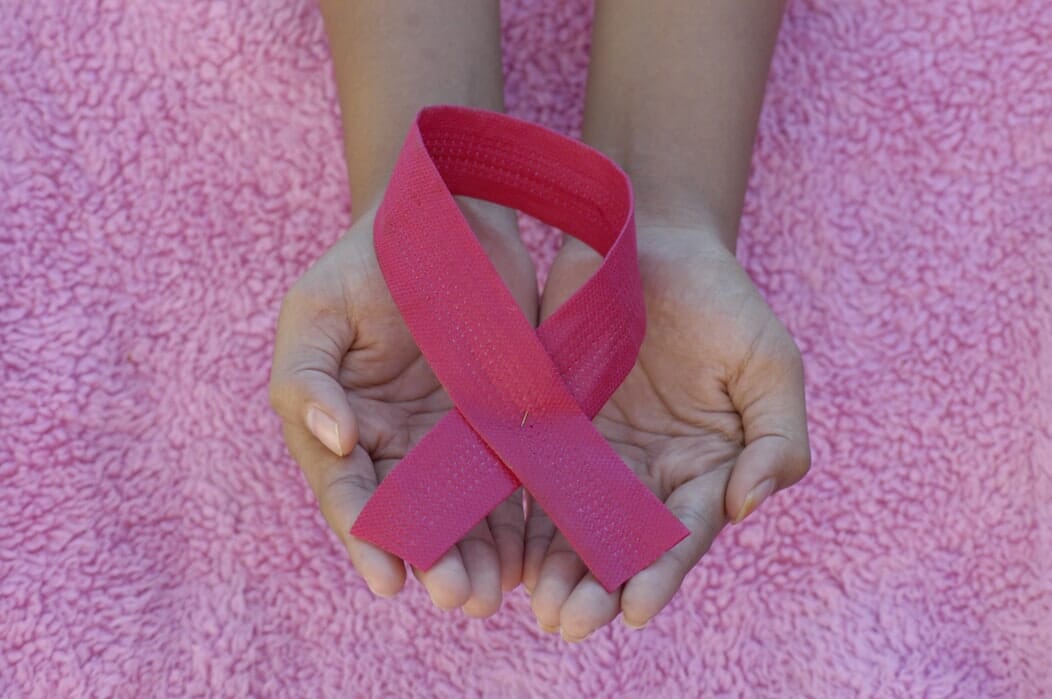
<point>288,394</point>
<point>513,530</point>
<point>538,541</point>
<point>563,560</point>
<point>696,519</point>
<point>337,493</point>
<point>294,300</point>
<point>346,485</point>
<point>475,544</point>
<point>799,461</point>
<point>786,355</point>
<point>277,394</point>
<point>309,300</point>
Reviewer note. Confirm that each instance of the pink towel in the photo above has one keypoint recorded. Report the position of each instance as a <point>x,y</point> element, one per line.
<point>168,169</point>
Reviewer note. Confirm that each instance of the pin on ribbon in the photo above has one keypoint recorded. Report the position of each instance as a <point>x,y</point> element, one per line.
<point>524,397</point>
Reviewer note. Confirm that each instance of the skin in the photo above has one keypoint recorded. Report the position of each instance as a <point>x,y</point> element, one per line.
<point>715,391</point>
<point>712,417</point>
<point>342,348</point>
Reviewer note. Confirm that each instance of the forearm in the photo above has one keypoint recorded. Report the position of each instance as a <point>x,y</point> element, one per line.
<point>393,57</point>
<point>674,96</point>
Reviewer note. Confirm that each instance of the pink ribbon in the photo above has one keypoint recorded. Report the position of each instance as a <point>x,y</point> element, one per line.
<point>523,397</point>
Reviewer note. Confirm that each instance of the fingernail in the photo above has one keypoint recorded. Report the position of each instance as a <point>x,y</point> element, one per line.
<point>325,429</point>
<point>632,624</point>
<point>757,495</point>
<point>547,629</point>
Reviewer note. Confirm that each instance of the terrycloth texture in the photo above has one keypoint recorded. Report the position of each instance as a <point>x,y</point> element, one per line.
<point>168,169</point>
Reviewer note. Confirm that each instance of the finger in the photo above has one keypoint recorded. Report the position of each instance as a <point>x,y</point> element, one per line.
<point>575,264</point>
<point>482,565</point>
<point>561,571</point>
<point>698,503</point>
<point>764,466</point>
<point>313,336</point>
<point>507,525</point>
<point>342,486</point>
<point>589,607</point>
<point>539,532</point>
<point>497,230</point>
<point>446,581</point>
<point>770,396</point>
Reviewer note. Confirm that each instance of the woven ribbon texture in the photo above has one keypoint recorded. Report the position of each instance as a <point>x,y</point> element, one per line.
<point>524,397</point>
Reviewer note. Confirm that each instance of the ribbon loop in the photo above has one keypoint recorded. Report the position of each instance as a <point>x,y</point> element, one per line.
<point>523,397</point>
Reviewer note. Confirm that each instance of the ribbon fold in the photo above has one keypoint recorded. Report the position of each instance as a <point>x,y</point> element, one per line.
<point>524,397</point>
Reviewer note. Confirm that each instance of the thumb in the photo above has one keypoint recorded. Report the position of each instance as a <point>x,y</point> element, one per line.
<point>770,397</point>
<point>312,338</point>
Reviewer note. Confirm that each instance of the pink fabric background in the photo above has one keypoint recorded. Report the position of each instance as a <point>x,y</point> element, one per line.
<point>167,169</point>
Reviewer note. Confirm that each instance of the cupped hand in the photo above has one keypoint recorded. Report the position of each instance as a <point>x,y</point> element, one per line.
<point>355,395</point>
<point>711,418</point>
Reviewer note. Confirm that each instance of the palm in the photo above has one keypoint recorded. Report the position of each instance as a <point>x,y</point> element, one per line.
<point>681,417</point>
<point>390,388</point>
<point>673,419</point>
<point>395,400</point>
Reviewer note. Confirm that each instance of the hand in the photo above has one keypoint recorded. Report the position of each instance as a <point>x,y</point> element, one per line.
<point>711,418</point>
<point>355,395</point>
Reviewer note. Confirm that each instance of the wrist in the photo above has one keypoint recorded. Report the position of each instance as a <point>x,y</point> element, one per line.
<point>667,201</point>
<point>687,220</point>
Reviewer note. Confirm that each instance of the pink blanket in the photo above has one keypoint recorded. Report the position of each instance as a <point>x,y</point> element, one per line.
<point>168,169</point>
